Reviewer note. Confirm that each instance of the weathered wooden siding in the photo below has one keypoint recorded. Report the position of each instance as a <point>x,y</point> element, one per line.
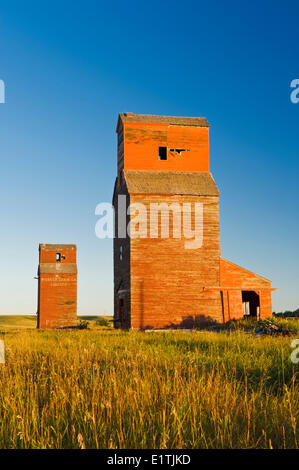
<point>120,149</point>
<point>234,276</point>
<point>167,280</point>
<point>122,282</point>
<point>57,287</point>
<point>232,305</point>
<point>265,303</point>
<point>142,141</point>
<point>163,283</point>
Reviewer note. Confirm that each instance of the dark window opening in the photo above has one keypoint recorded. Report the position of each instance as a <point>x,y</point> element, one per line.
<point>58,257</point>
<point>162,153</point>
<point>178,151</point>
<point>120,253</point>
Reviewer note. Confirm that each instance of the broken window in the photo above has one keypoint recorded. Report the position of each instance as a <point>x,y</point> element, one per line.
<point>58,257</point>
<point>162,153</point>
<point>178,151</point>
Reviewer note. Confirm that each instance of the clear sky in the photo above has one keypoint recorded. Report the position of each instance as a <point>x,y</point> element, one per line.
<point>71,66</point>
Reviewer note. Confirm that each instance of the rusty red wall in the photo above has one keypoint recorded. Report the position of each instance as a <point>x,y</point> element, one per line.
<point>57,290</point>
<point>139,147</point>
<point>168,280</point>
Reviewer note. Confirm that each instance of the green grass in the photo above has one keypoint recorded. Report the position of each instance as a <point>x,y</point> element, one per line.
<point>111,389</point>
<point>17,321</point>
<point>29,321</point>
<point>248,324</point>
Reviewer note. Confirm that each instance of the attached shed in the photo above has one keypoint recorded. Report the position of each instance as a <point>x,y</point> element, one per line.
<point>243,293</point>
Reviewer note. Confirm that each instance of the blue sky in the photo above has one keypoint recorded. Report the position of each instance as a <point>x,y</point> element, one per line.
<point>71,66</point>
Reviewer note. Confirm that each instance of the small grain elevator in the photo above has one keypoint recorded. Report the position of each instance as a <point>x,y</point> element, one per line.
<point>57,286</point>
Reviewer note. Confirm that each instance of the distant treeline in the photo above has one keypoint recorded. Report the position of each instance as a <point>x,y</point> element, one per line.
<point>287,313</point>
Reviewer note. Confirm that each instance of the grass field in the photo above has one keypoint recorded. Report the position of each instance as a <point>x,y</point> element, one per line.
<point>29,321</point>
<point>98,388</point>
<point>17,321</point>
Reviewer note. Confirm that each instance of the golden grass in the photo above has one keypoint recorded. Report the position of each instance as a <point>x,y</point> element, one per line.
<point>29,321</point>
<point>112,389</point>
<point>17,321</point>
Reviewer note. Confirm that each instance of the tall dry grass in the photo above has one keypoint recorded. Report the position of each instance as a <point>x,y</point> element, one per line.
<point>101,389</point>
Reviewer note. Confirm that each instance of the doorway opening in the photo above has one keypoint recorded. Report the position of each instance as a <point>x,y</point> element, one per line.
<point>251,304</point>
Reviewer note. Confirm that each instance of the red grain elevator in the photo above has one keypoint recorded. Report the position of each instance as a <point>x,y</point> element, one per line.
<point>57,286</point>
<point>163,161</point>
